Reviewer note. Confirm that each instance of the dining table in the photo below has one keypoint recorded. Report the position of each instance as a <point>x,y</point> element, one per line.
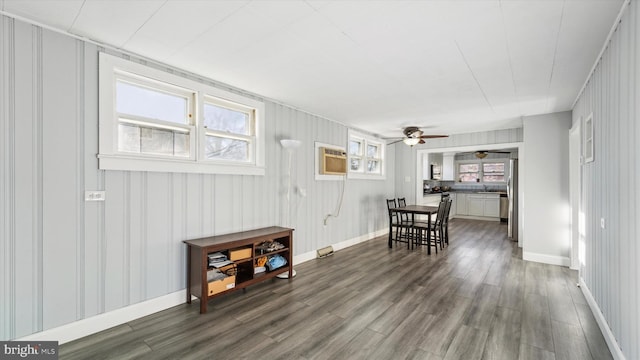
<point>413,210</point>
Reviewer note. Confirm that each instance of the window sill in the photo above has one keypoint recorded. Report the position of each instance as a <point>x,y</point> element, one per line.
<point>115,162</point>
<point>361,176</point>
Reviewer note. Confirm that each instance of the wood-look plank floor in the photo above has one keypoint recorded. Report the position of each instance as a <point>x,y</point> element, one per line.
<point>476,299</point>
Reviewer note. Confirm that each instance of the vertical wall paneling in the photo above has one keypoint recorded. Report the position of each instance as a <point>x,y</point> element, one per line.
<point>7,180</point>
<point>60,181</point>
<point>24,153</point>
<point>80,173</point>
<point>93,237</point>
<point>64,259</point>
<point>610,270</point>
<point>37,180</point>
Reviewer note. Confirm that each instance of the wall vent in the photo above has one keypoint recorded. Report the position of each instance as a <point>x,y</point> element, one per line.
<point>325,251</point>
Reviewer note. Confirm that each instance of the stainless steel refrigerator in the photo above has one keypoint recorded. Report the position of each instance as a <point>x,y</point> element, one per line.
<point>512,193</point>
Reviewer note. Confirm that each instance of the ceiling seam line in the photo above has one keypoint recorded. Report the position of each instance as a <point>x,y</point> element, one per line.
<point>474,77</point>
<point>73,23</point>
<point>555,55</point>
<point>513,76</point>
<point>143,24</point>
<point>194,39</point>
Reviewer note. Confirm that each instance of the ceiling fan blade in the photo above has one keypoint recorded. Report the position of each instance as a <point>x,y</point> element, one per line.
<point>421,141</point>
<point>433,136</point>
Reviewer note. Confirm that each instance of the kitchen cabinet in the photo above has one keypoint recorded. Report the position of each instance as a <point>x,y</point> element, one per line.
<point>475,205</point>
<point>448,167</point>
<point>478,204</point>
<point>431,199</point>
<point>492,206</point>
<point>461,204</point>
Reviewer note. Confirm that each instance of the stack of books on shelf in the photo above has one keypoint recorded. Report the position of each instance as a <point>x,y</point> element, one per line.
<point>221,267</point>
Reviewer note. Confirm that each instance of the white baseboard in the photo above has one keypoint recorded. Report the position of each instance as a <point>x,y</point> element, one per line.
<point>85,327</point>
<point>81,328</point>
<point>471,217</point>
<point>299,259</point>
<point>546,259</point>
<point>602,323</point>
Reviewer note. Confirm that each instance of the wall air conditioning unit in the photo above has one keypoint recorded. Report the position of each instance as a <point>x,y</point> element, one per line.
<point>333,161</point>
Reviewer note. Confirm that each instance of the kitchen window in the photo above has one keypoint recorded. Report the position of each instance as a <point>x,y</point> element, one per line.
<point>493,172</point>
<point>151,120</point>
<point>469,172</point>
<point>366,156</point>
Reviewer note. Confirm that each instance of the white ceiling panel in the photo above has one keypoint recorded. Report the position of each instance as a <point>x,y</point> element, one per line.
<point>179,23</point>
<point>59,14</point>
<point>449,66</point>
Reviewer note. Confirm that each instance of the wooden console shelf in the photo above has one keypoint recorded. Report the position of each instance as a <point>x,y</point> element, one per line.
<point>238,243</point>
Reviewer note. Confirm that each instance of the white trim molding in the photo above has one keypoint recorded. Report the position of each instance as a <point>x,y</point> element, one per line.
<point>616,352</point>
<point>546,259</point>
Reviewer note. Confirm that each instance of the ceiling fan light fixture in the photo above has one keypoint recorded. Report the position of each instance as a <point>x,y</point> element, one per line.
<point>481,154</point>
<point>411,141</point>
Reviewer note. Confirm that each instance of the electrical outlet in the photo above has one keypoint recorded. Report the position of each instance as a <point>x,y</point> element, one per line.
<point>602,223</point>
<point>96,195</point>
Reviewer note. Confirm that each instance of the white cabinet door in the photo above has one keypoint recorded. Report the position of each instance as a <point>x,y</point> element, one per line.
<point>448,169</point>
<point>461,204</point>
<point>492,207</point>
<point>475,204</point>
<point>452,210</point>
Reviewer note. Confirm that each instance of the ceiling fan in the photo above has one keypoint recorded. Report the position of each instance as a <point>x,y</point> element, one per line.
<point>413,136</point>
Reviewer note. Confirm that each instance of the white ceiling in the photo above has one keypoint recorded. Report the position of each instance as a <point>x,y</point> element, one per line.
<point>448,66</point>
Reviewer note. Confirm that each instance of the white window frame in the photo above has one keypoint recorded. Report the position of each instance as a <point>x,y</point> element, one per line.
<point>109,158</point>
<point>366,140</point>
<point>589,147</point>
<point>494,161</point>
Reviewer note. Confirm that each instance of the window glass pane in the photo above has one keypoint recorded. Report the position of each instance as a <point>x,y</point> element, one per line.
<point>355,147</point>
<point>373,166</point>
<point>148,140</point>
<point>129,138</point>
<point>356,164</point>
<point>226,120</point>
<point>140,101</point>
<point>372,151</point>
<point>469,177</point>
<point>493,167</point>
<point>226,149</point>
<point>493,178</point>
<point>469,168</point>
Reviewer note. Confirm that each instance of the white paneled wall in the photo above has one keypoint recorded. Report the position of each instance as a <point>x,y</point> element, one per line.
<point>611,185</point>
<point>63,259</point>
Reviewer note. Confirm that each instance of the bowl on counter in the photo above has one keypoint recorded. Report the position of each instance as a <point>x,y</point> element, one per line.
<point>445,188</point>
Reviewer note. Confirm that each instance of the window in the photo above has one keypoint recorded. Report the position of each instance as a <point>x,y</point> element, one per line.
<point>493,172</point>
<point>469,172</point>
<point>366,156</point>
<point>228,131</point>
<point>588,139</point>
<point>151,120</point>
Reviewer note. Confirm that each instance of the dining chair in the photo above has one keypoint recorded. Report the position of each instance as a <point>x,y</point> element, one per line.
<point>396,222</point>
<point>406,223</point>
<point>435,228</point>
<point>445,222</point>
